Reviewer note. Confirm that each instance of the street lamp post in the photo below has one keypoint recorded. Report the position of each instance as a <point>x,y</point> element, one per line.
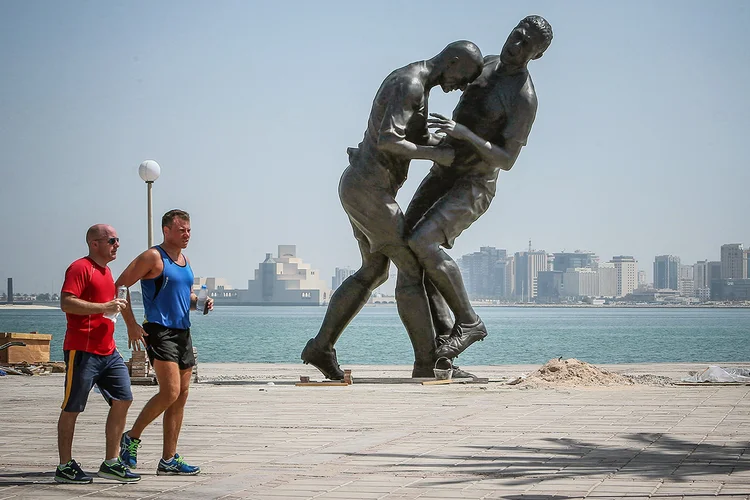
<point>149,171</point>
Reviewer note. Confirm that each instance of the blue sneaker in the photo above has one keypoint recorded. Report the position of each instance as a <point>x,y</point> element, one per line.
<point>119,472</point>
<point>71,473</point>
<point>129,450</point>
<point>176,466</point>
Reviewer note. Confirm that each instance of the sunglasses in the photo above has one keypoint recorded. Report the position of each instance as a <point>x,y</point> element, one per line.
<point>111,241</point>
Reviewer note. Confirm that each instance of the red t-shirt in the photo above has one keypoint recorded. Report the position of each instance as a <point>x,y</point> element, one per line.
<point>92,333</point>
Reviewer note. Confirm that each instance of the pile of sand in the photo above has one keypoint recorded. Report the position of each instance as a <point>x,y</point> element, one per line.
<point>574,373</point>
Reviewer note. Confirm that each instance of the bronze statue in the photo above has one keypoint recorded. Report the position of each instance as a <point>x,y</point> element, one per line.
<point>490,125</point>
<point>396,133</point>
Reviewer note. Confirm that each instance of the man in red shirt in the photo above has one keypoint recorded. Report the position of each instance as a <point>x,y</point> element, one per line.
<point>87,298</point>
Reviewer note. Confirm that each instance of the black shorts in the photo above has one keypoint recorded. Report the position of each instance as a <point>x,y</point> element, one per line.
<point>83,370</point>
<point>169,344</point>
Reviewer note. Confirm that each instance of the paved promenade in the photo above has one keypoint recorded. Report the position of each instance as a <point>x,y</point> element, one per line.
<point>402,441</point>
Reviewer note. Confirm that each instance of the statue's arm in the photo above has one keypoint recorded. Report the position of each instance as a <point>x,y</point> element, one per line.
<point>514,134</point>
<point>392,135</point>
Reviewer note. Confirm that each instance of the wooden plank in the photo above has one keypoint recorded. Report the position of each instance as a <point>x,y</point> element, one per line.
<point>321,384</point>
<point>437,382</point>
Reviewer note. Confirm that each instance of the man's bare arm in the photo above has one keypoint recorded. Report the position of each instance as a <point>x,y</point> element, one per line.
<point>71,304</point>
<point>142,267</point>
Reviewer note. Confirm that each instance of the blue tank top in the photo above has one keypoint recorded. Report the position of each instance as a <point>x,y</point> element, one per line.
<point>166,298</point>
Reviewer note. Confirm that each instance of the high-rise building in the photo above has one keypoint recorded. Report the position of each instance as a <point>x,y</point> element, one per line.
<point>626,268</point>
<point>339,275</point>
<point>667,272</point>
<point>510,276</point>
<point>733,261</point>
<point>581,282</point>
<point>686,281</point>
<point>642,283</point>
<point>571,260</point>
<point>528,264</point>
<point>701,283</point>
<point>607,279</point>
<point>549,286</point>
<point>484,273</point>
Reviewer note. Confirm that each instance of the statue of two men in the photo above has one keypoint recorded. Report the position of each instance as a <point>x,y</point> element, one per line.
<point>490,125</point>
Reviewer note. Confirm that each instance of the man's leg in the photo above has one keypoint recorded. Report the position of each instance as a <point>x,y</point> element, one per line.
<point>414,308</point>
<point>173,416</point>
<point>66,426</point>
<point>118,413</point>
<point>168,376</point>
<point>80,372</point>
<point>346,302</point>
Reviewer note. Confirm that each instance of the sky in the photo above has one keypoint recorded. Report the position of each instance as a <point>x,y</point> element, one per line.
<point>639,145</point>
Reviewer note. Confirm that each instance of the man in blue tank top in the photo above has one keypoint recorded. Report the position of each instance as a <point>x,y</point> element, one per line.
<point>167,284</point>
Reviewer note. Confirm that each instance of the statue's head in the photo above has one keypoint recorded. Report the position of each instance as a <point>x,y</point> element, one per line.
<point>460,64</point>
<point>527,41</point>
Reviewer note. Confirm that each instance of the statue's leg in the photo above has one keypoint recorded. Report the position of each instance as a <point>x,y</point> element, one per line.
<point>443,272</point>
<point>441,269</point>
<point>441,313</point>
<point>432,188</point>
<point>414,309</point>
<point>346,302</point>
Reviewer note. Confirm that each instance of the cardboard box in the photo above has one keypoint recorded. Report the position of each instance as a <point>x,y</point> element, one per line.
<point>36,349</point>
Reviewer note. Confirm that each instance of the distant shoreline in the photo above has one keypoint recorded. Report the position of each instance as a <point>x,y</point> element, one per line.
<point>29,307</point>
<point>25,307</point>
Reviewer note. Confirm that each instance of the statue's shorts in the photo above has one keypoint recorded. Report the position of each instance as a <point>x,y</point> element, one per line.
<point>370,203</point>
<point>453,203</point>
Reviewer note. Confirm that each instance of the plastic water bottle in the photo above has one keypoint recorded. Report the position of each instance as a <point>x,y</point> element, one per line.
<point>122,293</point>
<point>202,304</point>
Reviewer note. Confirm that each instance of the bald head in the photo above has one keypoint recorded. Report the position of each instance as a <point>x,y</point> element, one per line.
<point>458,64</point>
<point>97,231</point>
<point>463,49</point>
<point>103,243</point>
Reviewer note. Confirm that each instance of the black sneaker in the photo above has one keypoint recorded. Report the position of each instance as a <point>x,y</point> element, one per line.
<point>462,337</point>
<point>71,473</point>
<point>323,360</point>
<point>119,472</point>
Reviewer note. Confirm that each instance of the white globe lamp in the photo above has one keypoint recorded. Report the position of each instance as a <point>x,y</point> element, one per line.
<point>149,171</point>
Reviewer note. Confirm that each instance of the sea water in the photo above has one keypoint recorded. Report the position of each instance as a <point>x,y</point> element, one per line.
<point>517,335</point>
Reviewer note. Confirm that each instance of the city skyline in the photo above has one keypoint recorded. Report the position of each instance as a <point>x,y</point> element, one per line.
<point>629,129</point>
<point>342,272</point>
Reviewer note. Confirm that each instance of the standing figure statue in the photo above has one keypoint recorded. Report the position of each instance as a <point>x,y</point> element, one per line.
<point>490,126</point>
<point>396,134</point>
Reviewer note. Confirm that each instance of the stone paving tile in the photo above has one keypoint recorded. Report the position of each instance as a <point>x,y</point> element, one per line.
<point>405,441</point>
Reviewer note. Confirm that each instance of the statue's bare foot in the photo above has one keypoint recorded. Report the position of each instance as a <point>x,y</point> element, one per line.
<point>322,359</point>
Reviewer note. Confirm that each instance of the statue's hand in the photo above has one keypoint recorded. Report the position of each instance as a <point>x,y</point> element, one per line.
<point>447,126</point>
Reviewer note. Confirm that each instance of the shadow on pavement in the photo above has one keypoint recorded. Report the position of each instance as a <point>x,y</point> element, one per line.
<point>650,456</point>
